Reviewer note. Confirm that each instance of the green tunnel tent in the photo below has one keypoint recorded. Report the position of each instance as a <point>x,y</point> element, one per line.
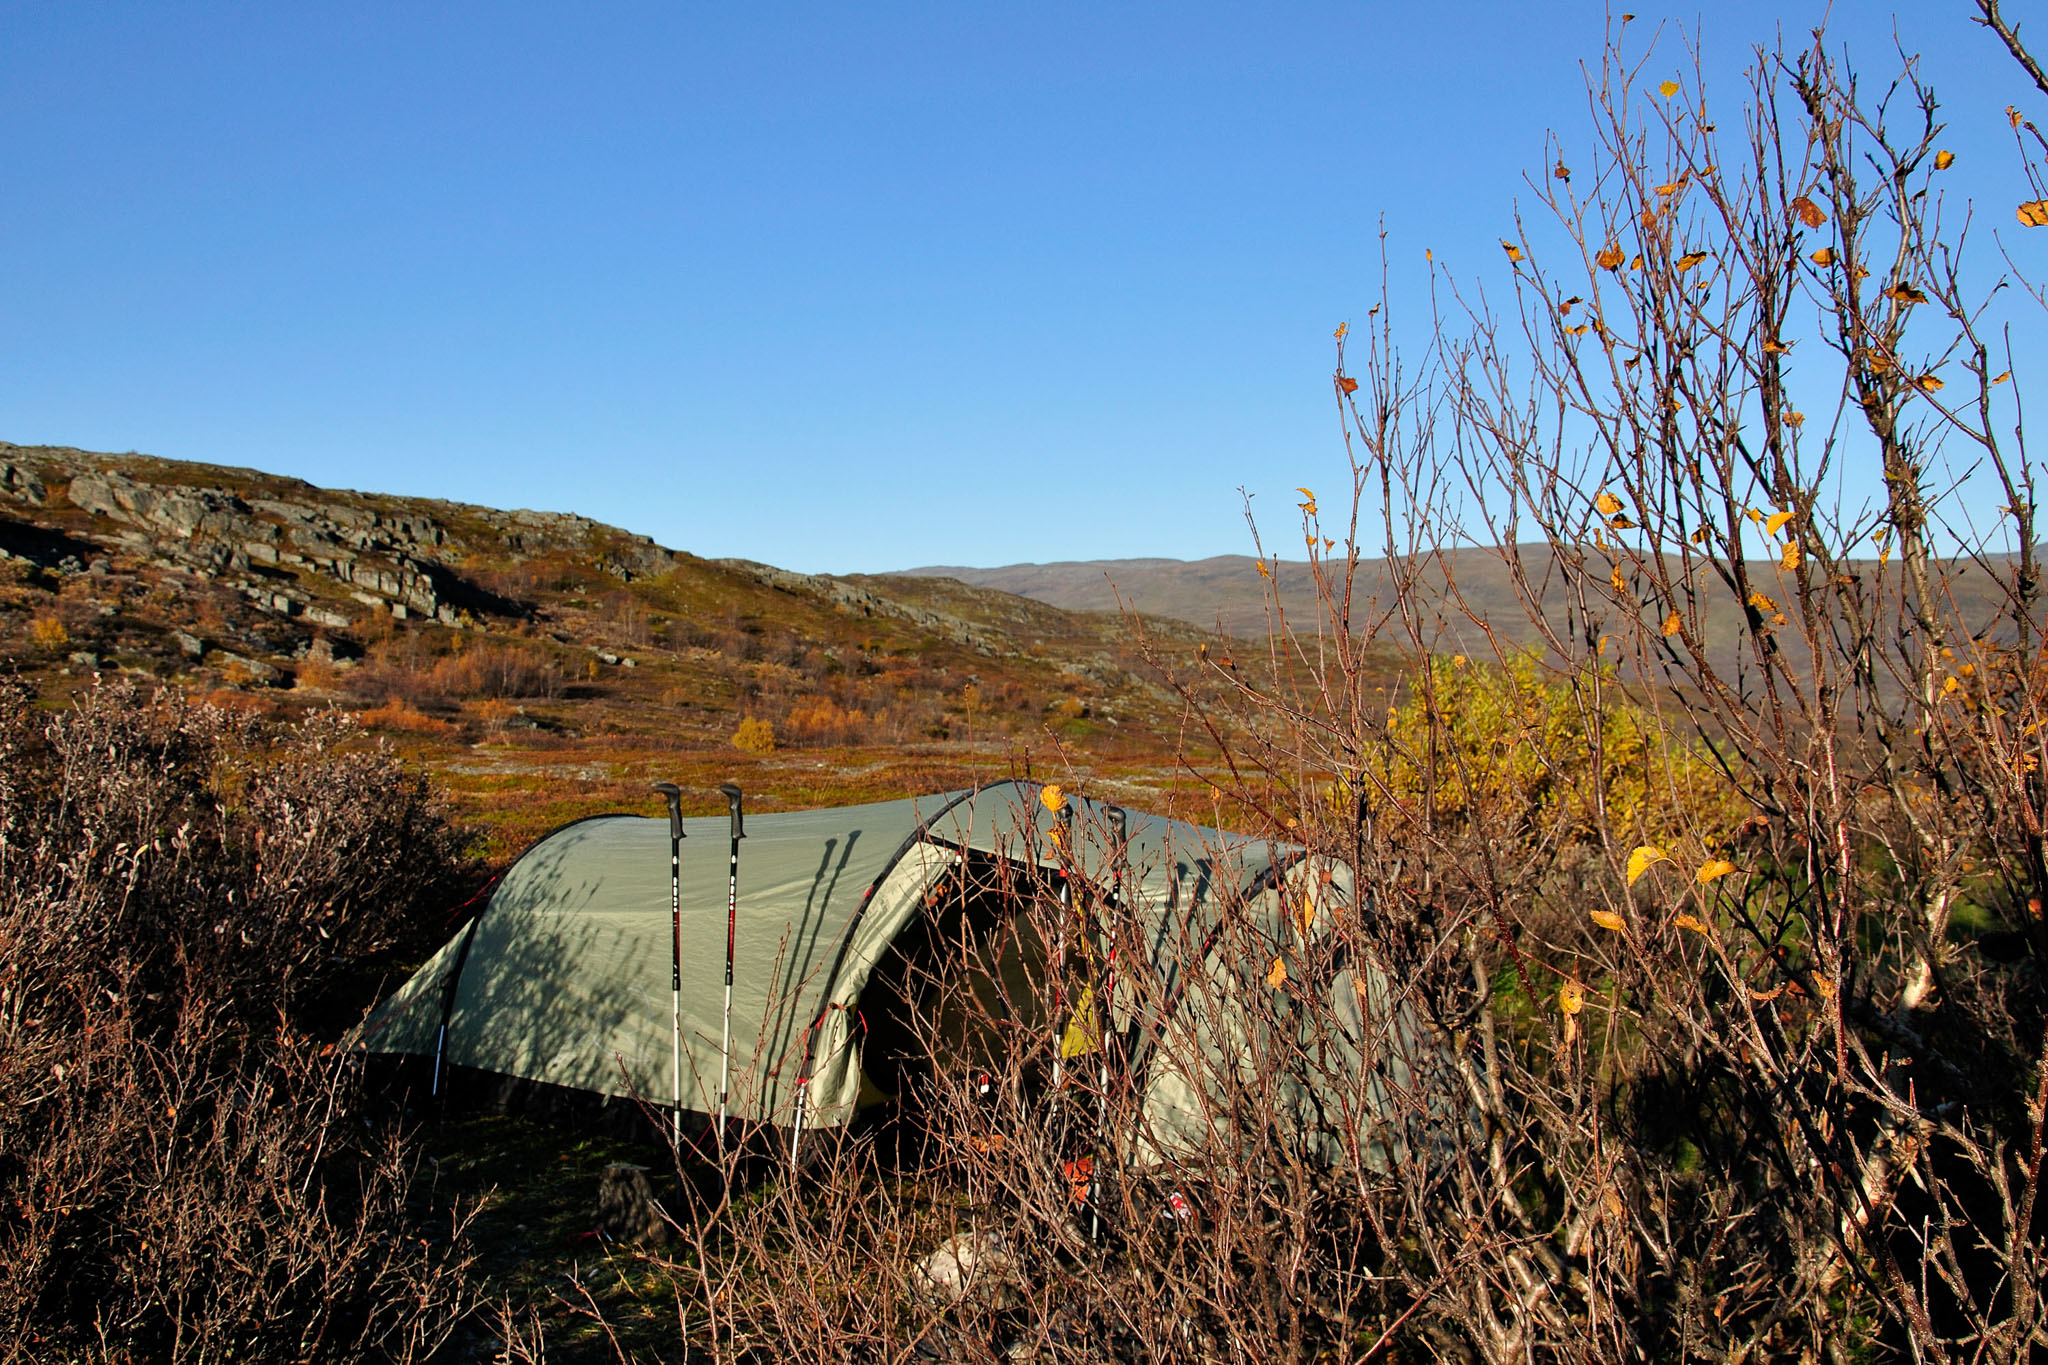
<point>563,976</point>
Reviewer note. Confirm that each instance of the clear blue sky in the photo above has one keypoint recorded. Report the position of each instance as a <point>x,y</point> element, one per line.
<point>838,287</point>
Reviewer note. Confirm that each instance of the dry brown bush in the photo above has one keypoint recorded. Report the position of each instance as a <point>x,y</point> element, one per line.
<point>185,898</point>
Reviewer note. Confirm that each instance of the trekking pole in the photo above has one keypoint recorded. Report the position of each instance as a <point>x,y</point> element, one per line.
<point>731,792</point>
<point>675,921</point>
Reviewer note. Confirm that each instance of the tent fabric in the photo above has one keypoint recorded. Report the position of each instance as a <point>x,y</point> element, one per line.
<point>564,976</point>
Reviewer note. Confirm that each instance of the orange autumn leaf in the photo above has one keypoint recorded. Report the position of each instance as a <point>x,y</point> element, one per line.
<point>1944,160</point>
<point>1692,922</point>
<point>2034,213</point>
<point>1905,293</point>
<point>1276,975</point>
<point>1607,919</point>
<point>1514,252</point>
<point>1673,624</point>
<point>1777,522</point>
<point>1790,559</point>
<point>1761,602</point>
<point>1620,584</point>
<point>1930,383</point>
<point>1347,383</point>
<point>1691,259</point>
<point>1343,328</point>
<point>1808,211</point>
<point>1052,797</point>
<point>1608,257</point>
<point>1824,257</point>
<point>1608,504</point>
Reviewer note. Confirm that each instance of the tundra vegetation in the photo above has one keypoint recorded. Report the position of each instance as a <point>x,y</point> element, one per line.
<point>1686,1004</point>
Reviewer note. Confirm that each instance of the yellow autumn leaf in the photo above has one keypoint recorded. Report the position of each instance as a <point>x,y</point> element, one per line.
<point>1790,559</point>
<point>1276,975</point>
<point>1459,661</point>
<point>1824,257</point>
<point>1667,190</point>
<point>2002,378</point>
<point>1308,913</point>
<point>1943,160</point>
<point>1692,922</point>
<point>1608,504</point>
<point>2034,213</point>
<point>1903,292</point>
<point>1930,383</point>
<point>1571,997</point>
<point>1642,860</point>
<point>1635,263</point>
<point>1607,919</point>
<point>1753,515</point>
<point>1264,572</point>
<point>1713,869</point>
<point>1514,252</point>
<point>1342,329</point>
<point>1795,419</point>
<point>1051,797</point>
<point>1620,583</point>
<point>1306,493</point>
<point>1672,625</point>
<point>1668,89</point>
<point>1691,259</point>
<point>1608,257</point>
<point>1777,521</point>
<point>1761,602</point>
<point>1950,687</point>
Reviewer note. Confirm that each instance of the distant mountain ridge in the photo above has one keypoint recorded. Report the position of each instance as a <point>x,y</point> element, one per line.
<point>1229,592</point>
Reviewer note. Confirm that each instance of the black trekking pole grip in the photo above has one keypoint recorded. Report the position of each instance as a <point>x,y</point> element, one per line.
<point>675,808</point>
<point>731,792</point>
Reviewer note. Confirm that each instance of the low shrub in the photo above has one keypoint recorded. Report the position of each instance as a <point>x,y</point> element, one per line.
<point>754,736</point>
<point>185,895</point>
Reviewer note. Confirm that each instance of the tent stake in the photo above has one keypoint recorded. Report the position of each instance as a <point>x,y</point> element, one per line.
<point>675,920</point>
<point>731,792</point>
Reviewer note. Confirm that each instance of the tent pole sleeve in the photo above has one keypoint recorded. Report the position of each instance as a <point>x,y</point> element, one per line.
<point>846,935</point>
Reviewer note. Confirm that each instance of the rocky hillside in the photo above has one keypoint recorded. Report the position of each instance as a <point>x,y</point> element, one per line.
<point>545,663</point>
